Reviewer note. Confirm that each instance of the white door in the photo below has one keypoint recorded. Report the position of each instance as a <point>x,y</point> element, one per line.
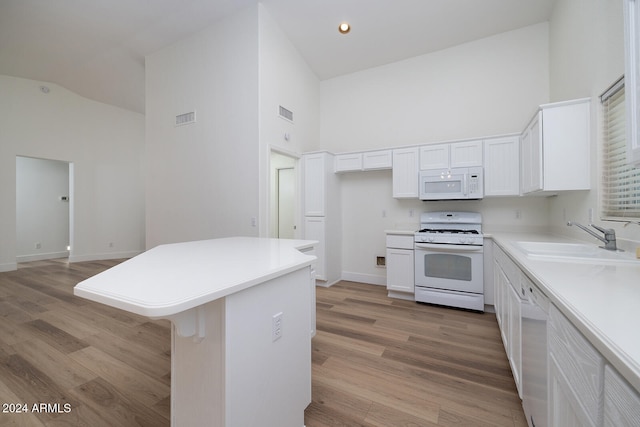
<point>286,203</point>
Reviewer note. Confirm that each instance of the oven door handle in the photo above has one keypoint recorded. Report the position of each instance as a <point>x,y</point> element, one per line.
<point>448,248</point>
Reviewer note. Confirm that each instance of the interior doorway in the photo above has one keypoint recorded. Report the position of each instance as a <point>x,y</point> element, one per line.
<point>43,211</point>
<point>283,196</point>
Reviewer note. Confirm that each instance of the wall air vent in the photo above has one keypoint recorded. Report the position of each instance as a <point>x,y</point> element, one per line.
<point>186,118</point>
<point>285,114</point>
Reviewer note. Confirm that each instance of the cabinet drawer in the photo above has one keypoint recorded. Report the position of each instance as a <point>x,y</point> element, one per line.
<point>400,241</point>
<point>511,270</point>
<point>579,363</point>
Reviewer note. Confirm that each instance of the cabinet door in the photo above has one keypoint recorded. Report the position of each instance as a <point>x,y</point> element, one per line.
<point>434,156</point>
<point>515,336</point>
<point>348,162</point>
<point>563,409</point>
<point>314,184</point>
<point>566,129</point>
<point>531,156</point>
<point>466,154</point>
<point>580,365</point>
<point>373,160</point>
<point>400,274</point>
<point>314,229</point>
<point>621,401</point>
<point>405,173</point>
<point>502,166</point>
<point>500,300</point>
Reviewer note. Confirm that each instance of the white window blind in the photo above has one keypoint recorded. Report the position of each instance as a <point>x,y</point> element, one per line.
<point>620,181</point>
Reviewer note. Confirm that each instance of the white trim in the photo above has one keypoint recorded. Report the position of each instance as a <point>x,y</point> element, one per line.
<point>364,278</point>
<point>42,257</point>
<point>10,266</point>
<point>103,256</point>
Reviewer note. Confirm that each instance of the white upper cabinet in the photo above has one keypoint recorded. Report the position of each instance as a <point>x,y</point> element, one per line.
<point>555,148</point>
<point>375,160</point>
<point>434,156</point>
<point>632,78</point>
<point>365,161</point>
<point>502,166</point>
<point>348,162</point>
<point>451,155</point>
<point>405,173</point>
<point>466,154</point>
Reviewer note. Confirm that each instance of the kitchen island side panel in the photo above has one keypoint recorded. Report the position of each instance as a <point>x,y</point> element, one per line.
<point>238,375</point>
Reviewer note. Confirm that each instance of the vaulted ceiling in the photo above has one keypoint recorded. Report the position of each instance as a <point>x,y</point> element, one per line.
<point>96,48</point>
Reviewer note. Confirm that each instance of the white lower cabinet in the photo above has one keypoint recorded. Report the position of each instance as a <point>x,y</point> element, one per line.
<point>621,401</point>
<point>583,389</point>
<point>576,374</point>
<point>507,300</point>
<point>400,270</point>
<point>400,260</point>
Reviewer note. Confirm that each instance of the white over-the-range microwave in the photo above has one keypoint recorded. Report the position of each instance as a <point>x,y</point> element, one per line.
<point>451,184</point>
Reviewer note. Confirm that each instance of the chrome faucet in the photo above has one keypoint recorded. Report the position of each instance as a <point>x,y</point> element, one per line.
<point>609,238</point>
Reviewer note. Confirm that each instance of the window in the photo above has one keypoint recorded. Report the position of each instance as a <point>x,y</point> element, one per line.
<point>620,181</point>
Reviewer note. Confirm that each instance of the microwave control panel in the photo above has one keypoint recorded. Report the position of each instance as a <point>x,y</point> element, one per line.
<point>474,183</point>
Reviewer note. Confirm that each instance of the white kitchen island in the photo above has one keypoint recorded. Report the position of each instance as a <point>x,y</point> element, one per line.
<point>242,311</point>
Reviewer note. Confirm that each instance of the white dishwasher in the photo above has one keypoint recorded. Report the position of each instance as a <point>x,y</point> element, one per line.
<point>534,314</point>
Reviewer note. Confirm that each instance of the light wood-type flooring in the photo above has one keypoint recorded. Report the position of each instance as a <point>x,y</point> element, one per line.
<point>376,361</point>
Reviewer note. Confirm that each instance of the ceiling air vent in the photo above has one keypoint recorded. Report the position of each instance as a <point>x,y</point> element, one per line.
<point>186,118</point>
<point>285,114</point>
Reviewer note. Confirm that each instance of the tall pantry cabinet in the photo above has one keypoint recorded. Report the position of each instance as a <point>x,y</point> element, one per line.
<point>322,214</point>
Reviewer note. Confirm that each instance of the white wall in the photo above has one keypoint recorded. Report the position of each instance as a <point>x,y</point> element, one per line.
<point>105,144</point>
<point>287,80</point>
<point>369,209</point>
<point>42,218</point>
<point>203,178</point>
<point>487,87</point>
<point>586,57</point>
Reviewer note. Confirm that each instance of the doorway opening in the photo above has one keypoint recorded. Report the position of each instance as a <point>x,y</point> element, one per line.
<point>43,209</point>
<point>283,199</point>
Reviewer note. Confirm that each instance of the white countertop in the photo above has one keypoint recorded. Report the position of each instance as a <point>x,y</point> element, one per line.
<point>601,299</point>
<point>170,279</point>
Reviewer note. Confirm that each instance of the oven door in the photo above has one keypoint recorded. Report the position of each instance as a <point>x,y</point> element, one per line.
<point>450,267</point>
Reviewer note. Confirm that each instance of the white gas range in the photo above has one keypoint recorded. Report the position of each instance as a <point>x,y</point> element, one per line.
<point>449,260</point>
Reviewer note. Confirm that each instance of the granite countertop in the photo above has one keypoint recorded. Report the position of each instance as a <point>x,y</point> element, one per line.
<point>601,298</point>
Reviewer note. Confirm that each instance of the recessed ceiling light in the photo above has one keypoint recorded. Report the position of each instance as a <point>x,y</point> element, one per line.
<point>344,28</point>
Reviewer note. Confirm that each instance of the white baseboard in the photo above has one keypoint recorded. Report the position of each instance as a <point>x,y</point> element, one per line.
<point>364,278</point>
<point>42,257</point>
<point>103,256</point>
<point>10,266</point>
<point>325,284</point>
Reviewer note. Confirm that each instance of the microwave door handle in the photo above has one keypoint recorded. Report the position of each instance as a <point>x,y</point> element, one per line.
<point>465,185</point>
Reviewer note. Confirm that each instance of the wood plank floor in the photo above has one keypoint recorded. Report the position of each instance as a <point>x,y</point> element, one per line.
<point>376,361</point>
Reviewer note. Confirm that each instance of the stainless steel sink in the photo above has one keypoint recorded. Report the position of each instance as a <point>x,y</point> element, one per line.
<point>555,251</point>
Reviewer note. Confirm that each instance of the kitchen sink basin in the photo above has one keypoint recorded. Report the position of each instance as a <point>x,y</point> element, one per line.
<point>554,251</point>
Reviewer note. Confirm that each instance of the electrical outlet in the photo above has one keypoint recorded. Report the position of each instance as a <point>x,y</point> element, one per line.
<point>518,214</point>
<point>410,213</point>
<point>276,327</point>
<point>38,245</point>
<point>590,215</point>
